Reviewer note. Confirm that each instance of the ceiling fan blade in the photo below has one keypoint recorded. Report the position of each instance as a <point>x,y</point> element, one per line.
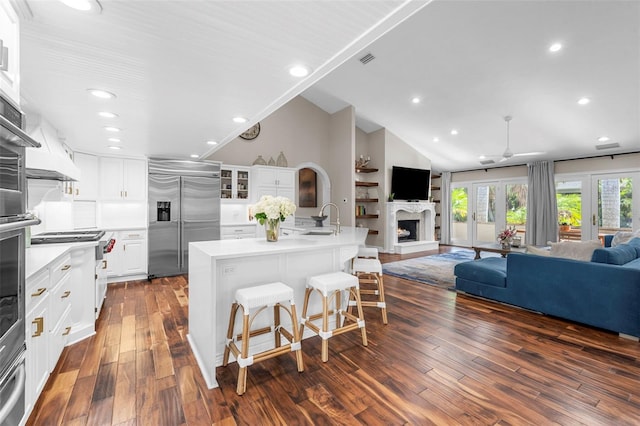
<point>525,154</point>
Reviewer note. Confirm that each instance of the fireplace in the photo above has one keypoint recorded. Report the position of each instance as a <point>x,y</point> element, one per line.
<point>408,230</point>
<point>422,214</point>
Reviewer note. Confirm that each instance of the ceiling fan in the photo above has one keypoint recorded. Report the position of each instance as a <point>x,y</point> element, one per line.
<point>507,154</point>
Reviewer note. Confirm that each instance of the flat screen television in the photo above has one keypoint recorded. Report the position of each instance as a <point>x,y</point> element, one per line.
<point>410,184</point>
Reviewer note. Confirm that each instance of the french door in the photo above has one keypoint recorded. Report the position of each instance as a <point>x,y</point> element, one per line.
<point>615,204</point>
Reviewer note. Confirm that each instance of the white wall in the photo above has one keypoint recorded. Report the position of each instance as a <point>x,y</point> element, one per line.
<point>341,149</point>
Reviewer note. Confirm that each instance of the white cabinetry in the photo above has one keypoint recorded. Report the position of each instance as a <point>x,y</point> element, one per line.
<point>234,183</point>
<point>83,293</point>
<point>10,52</point>
<point>231,232</point>
<point>86,188</point>
<point>276,181</point>
<point>37,336</point>
<point>58,322</point>
<point>123,179</point>
<point>129,255</point>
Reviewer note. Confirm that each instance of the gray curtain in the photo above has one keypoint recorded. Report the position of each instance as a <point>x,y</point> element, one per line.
<point>445,208</point>
<point>542,209</point>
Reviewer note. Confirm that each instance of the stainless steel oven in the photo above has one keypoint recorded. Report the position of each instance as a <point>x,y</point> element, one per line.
<point>13,222</point>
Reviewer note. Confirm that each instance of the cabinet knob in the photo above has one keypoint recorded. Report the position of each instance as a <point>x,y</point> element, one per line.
<point>65,294</point>
<point>39,292</point>
<point>67,330</point>
<point>65,267</point>
<point>39,323</point>
<point>104,264</point>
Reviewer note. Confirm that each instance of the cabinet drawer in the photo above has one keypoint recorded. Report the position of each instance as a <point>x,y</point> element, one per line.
<point>59,338</point>
<point>60,268</point>
<point>132,235</point>
<point>244,230</point>
<point>60,299</point>
<point>37,289</point>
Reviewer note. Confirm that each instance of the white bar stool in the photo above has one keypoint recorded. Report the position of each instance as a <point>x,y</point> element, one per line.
<point>331,286</point>
<point>254,300</point>
<point>369,273</point>
<point>368,252</point>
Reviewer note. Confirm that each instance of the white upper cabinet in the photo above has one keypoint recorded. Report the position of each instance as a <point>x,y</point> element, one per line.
<point>234,183</point>
<point>87,187</point>
<point>123,179</point>
<point>10,52</point>
<point>276,181</point>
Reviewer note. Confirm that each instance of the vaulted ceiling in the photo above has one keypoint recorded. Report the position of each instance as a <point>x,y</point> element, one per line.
<point>182,70</point>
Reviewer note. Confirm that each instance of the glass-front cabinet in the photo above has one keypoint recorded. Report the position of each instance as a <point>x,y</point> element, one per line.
<point>234,183</point>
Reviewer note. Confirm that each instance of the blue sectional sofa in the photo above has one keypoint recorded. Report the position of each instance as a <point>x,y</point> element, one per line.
<point>604,292</point>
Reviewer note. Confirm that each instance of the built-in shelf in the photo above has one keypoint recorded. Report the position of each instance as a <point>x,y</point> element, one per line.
<point>358,183</point>
<point>367,216</point>
<point>435,188</point>
<point>373,232</point>
<point>365,170</point>
<point>366,200</point>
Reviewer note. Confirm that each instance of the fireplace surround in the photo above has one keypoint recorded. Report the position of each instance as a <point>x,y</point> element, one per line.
<point>424,212</point>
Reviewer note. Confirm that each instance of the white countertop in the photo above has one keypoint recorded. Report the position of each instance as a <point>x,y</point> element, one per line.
<point>222,249</point>
<point>40,255</point>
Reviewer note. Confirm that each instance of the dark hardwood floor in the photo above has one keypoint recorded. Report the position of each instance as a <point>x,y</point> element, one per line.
<point>443,359</point>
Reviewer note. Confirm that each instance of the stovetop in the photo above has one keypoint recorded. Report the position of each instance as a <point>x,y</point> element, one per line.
<point>67,237</point>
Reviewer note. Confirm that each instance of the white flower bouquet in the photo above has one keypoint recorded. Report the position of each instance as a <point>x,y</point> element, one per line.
<point>272,208</point>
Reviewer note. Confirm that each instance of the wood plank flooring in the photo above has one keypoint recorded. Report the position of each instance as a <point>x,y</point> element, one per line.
<point>443,359</point>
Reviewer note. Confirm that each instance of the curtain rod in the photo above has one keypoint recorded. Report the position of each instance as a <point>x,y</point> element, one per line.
<point>486,169</point>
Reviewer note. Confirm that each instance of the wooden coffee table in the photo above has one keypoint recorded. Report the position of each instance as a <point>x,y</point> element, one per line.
<point>497,248</point>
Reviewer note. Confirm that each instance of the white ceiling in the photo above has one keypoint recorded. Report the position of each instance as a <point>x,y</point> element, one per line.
<point>183,69</point>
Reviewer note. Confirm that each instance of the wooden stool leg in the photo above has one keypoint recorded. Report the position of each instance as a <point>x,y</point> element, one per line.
<point>242,371</point>
<point>276,324</point>
<point>381,298</point>
<point>232,320</point>
<point>305,306</point>
<point>296,337</point>
<point>363,330</point>
<point>325,328</point>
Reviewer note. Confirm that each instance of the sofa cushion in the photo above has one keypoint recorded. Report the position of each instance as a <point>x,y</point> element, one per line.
<point>539,251</point>
<point>489,271</point>
<point>623,237</point>
<point>576,250</point>
<point>618,255</point>
<point>634,264</point>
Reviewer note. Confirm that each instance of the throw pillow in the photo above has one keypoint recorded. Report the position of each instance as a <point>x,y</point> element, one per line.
<point>576,250</point>
<point>539,251</point>
<point>623,237</point>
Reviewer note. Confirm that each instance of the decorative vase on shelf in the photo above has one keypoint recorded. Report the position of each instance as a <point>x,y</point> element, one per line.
<point>259,161</point>
<point>272,229</point>
<point>506,244</point>
<point>271,162</point>
<point>282,160</point>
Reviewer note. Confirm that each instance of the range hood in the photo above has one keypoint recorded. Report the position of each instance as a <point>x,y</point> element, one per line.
<point>51,161</point>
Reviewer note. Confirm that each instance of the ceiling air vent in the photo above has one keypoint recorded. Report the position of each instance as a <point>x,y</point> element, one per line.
<point>608,146</point>
<point>485,162</point>
<point>367,58</point>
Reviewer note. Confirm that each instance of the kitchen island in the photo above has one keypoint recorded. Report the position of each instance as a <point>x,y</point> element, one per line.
<point>218,268</point>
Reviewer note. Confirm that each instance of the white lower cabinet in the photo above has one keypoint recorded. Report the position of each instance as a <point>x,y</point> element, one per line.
<point>231,232</point>
<point>83,294</point>
<point>47,304</point>
<point>129,255</point>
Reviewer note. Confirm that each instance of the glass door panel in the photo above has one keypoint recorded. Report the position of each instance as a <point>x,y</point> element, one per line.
<point>516,208</point>
<point>459,215</point>
<point>616,207</point>
<point>484,216</point>
<point>569,200</point>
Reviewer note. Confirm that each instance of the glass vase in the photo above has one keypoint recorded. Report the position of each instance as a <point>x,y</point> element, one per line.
<point>272,229</point>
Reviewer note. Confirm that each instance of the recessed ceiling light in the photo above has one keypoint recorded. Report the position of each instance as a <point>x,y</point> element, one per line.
<point>299,71</point>
<point>102,94</point>
<point>114,140</point>
<point>436,139</point>
<point>454,132</point>
<point>114,147</point>
<point>194,156</point>
<point>111,129</point>
<point>239,119</point>
<point>603,138</point>
<point>212,143</point>
<point>555,47</point>
<point>415,100</point>
<point>583,101</point>
<point>83,5</point>
<point>107,114</point>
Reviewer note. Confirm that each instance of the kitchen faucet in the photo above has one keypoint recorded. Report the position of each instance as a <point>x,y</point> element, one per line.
<point>337,214</point>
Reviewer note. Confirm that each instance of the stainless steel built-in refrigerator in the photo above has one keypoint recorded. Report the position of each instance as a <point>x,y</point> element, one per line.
<point>184,206</point>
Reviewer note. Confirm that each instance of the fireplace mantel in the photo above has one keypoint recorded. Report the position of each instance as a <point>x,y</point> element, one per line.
<point>427,229</point>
